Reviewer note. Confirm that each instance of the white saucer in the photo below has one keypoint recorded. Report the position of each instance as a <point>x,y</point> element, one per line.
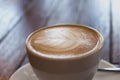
<point>26,73</point>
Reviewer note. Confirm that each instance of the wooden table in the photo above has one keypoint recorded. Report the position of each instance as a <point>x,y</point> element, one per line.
<point>18,18</point>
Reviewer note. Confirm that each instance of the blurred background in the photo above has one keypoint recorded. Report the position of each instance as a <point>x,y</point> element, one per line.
<point>18,18</point>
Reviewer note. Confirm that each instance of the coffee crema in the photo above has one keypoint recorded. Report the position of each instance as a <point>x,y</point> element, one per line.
<point>63,40</point>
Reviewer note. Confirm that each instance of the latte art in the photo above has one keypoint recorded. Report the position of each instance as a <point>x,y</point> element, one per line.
<point>64,40</point>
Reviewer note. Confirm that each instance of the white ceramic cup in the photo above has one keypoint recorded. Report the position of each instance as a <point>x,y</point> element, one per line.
<point>77,68</point>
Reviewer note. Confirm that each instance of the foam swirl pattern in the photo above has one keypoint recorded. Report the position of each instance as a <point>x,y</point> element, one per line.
<point>64,40</point>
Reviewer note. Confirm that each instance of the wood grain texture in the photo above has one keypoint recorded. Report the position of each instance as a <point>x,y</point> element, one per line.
<point>115,5</point>
<point>10,14</point>
<point>95,13</point>
<point>25,61</point>
<point>65,13</point>
<point>12,48</point>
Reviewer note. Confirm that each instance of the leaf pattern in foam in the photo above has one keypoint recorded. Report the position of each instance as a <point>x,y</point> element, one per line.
<point>64,39</point>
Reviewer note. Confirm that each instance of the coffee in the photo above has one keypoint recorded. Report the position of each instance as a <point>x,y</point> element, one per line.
<point>63,41</point>
<point>64,52</point>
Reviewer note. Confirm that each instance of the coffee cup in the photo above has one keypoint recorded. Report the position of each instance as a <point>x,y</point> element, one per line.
<point>64,52</point>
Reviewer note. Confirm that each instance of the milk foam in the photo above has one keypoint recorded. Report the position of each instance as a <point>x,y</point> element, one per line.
<point>63,41</point>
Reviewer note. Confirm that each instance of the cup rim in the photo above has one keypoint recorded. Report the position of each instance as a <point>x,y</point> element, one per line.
<point>97,47</point>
